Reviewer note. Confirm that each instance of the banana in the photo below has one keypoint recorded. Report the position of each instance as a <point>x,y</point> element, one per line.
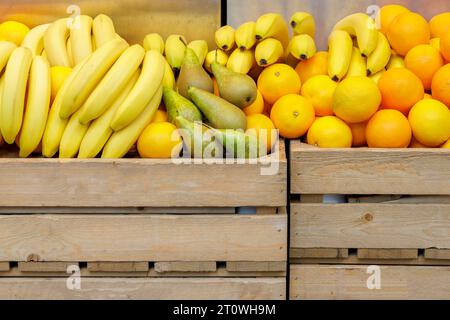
<point>225,38</point>
<point>14,90</point>
<point>80,38</point>
<point>103,30</point>
<point>174,49</point>
<point>200,47</point>
<point>357,66</point>
<point>38,103</point>
<point>72,136</point>
<point>168,78</point>
<point>34,40</point>
<point>55,39</point>
<point>6,48</point>
<point>2,83</point>
<point>303,23</point>
<point>272,25</point>
<point>97,65</point>
<point>376,77</point>
<point>241,60</point>
<point>339,54</point>
<point>245,35</point>
<point>146,86</point>
<point>100,130</point>
<point>380,57</point>
<point>112,84</point>
<point>395,61</point>
<point>364,28</point>
<point>215,56</point>
<point>69,51</point>
<point>302,47</point>
<point>121,141</point>
<point>268,51</point>
<point>153,41</point>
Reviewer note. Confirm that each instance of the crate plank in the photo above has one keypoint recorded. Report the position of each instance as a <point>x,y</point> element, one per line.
<point>400,254</point>
<point>4,266</point>
<point>128,238</point>
<point>318,253</point>
<point>350,282</point>
<point>398,226</point>
<point>147,288</point>
<point>369,171</point>
<point>437,254</point>
<point>124,210</point>
<point>118,266</point>
<point>45,266</point>
<point>186,266</point>
<point>353,259</point>
<point>252,266</point>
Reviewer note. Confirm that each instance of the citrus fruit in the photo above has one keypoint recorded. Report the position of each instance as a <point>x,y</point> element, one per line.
<point>430,122</point>
<point>400,89</point>
<point>424,61</point>
<point>278,80</point>
<point>446,145</point>
<point>263,128</point>
<point>256,107</point>
<point>436,43</point>
<point>13,31</point>
<point>159,140</point>
<point>406,31</point>
<point>356,99</point>
<point>58,75</point>
<point>388,129</point>
<point>388,13</point>
<point>160,116</point>
<point>445,47</point>
<point>416,144</point>
<point>427,96</point>
<point>292,115</point>
<point>440,25</point>
<point>440,86</point>
<point>267,109</point>
<point>314,66</point>
<point>330,132</point>
<point>358,133</point>
<point>395,61</point>
<point>320,91</point>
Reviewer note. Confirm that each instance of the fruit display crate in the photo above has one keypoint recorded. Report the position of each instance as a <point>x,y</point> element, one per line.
<point>396,215</point>
<point>143,229</point>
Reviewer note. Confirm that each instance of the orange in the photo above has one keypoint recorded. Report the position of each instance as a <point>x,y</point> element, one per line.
<point>430,122</point>
<point>256,107</point>
<point>388,13</point>
<point>330,132</point>
<point>400,89</point>
<point>446,145</point>
<point>278,80</point>
<point>440,25</point>
<point>427,96</point>
<point>292,115</point>
<point>320,91</point>
<point>58,75</point>
<point>440,86</point>
<point>160,116</point>
<point>445,47</point>
<point>424,61</point>
<point>436,43</point>
<point>358,133</point>
<point>159,140</point>
<point>388,129</point>
<point>314,66</point>
<point>416,144</point>
<point>408,30</point>
<point>263,128</point>
<point>267,109</point>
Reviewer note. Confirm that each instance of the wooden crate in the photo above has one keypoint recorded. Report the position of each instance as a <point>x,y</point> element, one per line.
<point>396,213</point>
<point>143,229</point>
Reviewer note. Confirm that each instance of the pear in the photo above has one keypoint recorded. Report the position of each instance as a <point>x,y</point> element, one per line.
<point>220,113</point>
<point>177,105</point>
<point>237,88</point>
<point>237,143</point>
<point>192,74</point>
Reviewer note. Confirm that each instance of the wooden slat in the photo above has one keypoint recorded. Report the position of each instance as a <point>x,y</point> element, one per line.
<point>266,210</point>
<point>373,199</point>
<point>311,198</point>
<point>118,266</point>
<point>399,226</point>
<point>353,259</point>
<point>369,171</point>
<point>318,253</point>
<point>252,266</point>
<point>401,254</point>
<point>128,238</point>
<point>45,266</point>
<point>4,266</point>
<point>109,210</point>
<point>437,254</point>
<point>186,266</point>
<point>147,288</point>
<point>350,282</point>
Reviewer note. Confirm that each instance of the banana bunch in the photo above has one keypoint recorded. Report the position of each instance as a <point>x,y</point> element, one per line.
<point>303,23</point>
<point>358,65</point>
<point>379,58</point>
<point>225,38</point>
<point>272,25</point>
<point>245,36</point>
<point>218,56</point>
<point>174,49</point>
<point>340,51</point>
<point>200,47</point>
<point>241,61</point>
<point>301,47</point>
<point>268,52</point>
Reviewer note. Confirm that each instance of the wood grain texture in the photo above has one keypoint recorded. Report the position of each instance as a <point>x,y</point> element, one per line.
<point>369,171</point>
<point>400,254</point>
<point>350,282</point>
<point>45,266</point>
<point>129,238</point>
<point>118,266</point>
<point>4,266</point>
<point>186,266</point>
<point>315,253</point>
<point>258,266</point>
<point>438,254</point>
<point>145,289</point>
<point>398,226</point>
<point>353,259</point>
<point>123,210</point>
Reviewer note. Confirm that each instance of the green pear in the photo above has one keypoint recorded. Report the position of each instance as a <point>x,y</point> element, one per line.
<point>177,105</point>
<point>237,143</point>
<point>237,88</point>
<point>192,74</point>
<point>220,113</point>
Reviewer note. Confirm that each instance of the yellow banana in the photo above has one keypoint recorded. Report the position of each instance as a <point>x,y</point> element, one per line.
<point>302,47</point>
<point>38,103</point>
<point>225,38</point>
<point>200,47</point>
<point>103,30</point>
<point>245,35</point>
<point>379,58</point>
<point>80,38</point>
<point>215,56</point>
<point>6,48</point>
<point>112,84</point>
<point>395,62</point>
<point>69,51</point>
<point>268,51</point>
<point>55,39</point>
<point>154,41</point>
<point>168,78</point>
<point>241,60</point>
<point>121,141</point>
<point>303,23</point>
<point>376,77</point>
<point>34,40</point>
<point>146,86</point>
<point>174,49</point>
<point>272,25</point>
<point>2,83</point>
<point>14,89</point>
<point>357,66</point>
<point>100,130</point>
<point>364,28</point>
<point>84,83</point>
<point>339,54</point>
<point>72,136</point>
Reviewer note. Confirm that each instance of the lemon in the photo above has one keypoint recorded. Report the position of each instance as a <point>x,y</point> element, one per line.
<point>330,132</point>
<point>13,31</point>
<point>58,75</point>
<point>159,140</point>
<point>319,90</point>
